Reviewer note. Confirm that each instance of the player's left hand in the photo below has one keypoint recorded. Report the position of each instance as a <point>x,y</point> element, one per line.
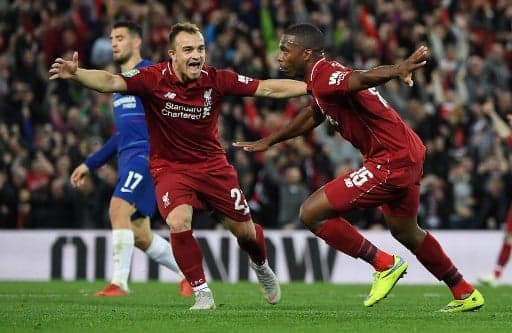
<point>253,146</point>
<point>416,60</point>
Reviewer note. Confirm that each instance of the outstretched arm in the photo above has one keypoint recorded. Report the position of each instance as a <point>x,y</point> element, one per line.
<point>305,121</point>
<point>360,80</point>
<point>280,88</point>
<point>99,80</point>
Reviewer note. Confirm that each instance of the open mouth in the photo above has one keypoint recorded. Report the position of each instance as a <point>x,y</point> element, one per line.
<point>283,69</point>
<point>194,65</point>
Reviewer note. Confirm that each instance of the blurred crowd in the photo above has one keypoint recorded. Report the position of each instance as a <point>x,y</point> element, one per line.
<point>48,128</point>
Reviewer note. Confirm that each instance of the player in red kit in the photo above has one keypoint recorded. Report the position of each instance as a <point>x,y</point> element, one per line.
<point>182,99</point>
<point>392,169</point>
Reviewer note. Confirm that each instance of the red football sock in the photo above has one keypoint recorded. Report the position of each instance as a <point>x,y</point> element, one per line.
<point>189,257</point>
<point>256,250</point>
<point>341,235</point>
<point>432,256</point>
<point>503,258</point>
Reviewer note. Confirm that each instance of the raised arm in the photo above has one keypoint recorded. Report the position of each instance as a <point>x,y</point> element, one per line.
<point>360,80</point>
<point>500,126</point>
<point>99,80</point>
<point>280,88</point>
<point>305,121</point>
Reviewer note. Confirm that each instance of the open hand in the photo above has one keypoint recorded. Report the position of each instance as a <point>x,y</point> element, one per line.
<point>64,69</point>
<point>78,176</point>
<point>416,60</point>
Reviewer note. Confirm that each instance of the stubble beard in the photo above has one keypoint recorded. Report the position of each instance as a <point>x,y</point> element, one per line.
<point>122,59</point>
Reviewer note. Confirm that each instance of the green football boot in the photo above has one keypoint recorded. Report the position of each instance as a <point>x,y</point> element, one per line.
<point>384,281</point>
<point>471,303</point>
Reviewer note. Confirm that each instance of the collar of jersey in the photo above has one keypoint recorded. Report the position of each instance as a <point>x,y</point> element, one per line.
<point>309,76</point>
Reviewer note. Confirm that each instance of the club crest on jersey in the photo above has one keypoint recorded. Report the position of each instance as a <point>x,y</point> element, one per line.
<point>130,73</point>
<point>165,199</point>
<point>207,103</point>
<point>244,79</point>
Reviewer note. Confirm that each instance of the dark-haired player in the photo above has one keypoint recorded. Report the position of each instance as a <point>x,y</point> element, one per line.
<point>392,169</point>
<point>133,201</point>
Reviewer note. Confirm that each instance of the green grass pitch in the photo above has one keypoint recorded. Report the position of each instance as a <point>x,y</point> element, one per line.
<point>157,307</point>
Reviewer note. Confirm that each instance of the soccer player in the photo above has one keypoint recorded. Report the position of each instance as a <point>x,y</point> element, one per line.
<point>182,99</point>
<point>505,133</point>
<point>392,169</point>
<point>133,201</point>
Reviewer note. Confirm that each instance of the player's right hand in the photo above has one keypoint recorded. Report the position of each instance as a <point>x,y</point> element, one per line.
<point>253,146</point>
<point>64,69</point>
<point>78,175</point>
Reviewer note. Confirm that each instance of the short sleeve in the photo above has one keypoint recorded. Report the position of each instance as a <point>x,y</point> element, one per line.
<point>231,83</point>
<point>139,81</point>
<point>331,81</point>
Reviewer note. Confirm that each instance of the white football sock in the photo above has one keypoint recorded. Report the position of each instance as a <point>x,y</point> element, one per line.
<point>201,287</point>
<point>160,251</point>
<point>122,248</point>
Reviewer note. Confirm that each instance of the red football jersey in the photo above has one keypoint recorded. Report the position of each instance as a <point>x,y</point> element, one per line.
<point>363,117</point>
<point>182,119</point>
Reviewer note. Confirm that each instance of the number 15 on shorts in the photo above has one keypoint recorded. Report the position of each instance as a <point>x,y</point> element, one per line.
<point>358,177</point>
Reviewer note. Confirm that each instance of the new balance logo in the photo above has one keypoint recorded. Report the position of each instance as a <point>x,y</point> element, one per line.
<point>170,95</point>
<point>336,78</point>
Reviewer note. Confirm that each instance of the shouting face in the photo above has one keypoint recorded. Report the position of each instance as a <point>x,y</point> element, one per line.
<point>188,55</point>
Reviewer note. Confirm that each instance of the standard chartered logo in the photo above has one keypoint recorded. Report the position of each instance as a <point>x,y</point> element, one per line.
<point>174,110</point>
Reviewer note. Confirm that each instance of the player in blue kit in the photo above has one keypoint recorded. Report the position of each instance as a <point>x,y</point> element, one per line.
<point>133,201</point>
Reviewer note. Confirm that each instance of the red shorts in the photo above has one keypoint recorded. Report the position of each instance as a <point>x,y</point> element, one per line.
<point>211,185</point>
<point>396,190</point>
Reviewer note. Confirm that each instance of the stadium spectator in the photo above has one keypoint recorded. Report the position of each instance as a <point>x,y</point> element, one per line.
<point>391,171</point>
<point>504,132</point>
<point>291,188</point>
<point>181,99</point>
<point>133,202</point>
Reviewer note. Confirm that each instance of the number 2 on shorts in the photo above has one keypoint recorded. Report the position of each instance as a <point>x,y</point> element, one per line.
<point>240,202</point>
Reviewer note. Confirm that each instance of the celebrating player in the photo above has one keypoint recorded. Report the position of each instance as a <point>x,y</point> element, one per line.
<point>133,201</point>
<point>392,169</point>
<point>182,99</point>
